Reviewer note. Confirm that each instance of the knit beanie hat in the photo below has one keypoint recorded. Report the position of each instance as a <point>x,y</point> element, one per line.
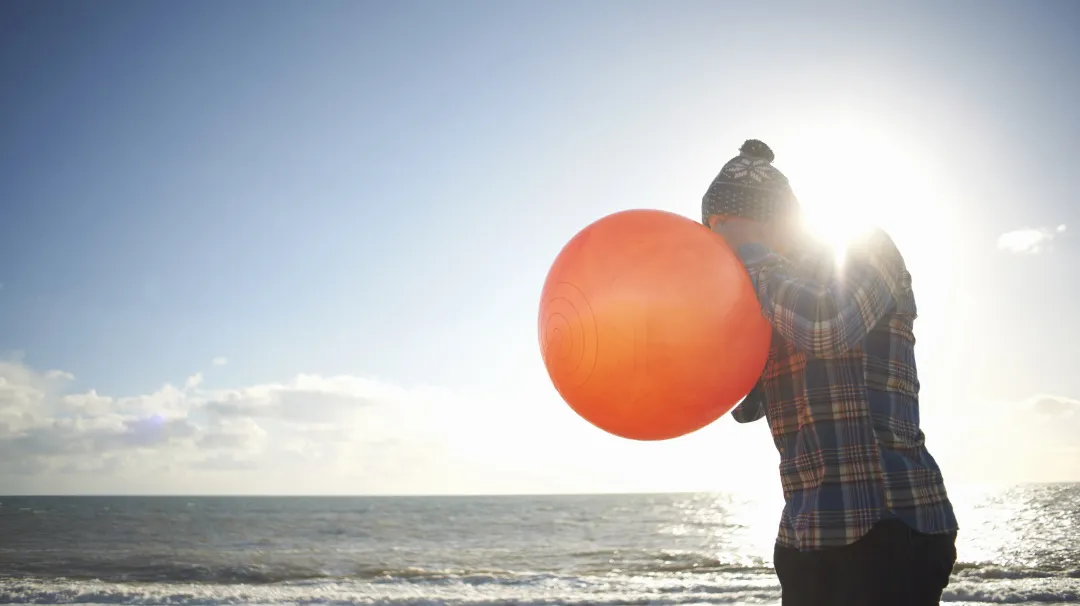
<point>749,186</point>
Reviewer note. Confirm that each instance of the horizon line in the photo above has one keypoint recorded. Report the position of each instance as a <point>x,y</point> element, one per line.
<point>469,494</point>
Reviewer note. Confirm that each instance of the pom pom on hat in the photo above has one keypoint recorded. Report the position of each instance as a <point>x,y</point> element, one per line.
<point>757,149</point>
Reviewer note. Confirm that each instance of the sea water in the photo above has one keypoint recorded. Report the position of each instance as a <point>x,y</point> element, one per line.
<point>1017,545</point>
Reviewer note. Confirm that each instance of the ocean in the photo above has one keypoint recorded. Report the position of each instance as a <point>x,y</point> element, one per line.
<point>1018,545</point>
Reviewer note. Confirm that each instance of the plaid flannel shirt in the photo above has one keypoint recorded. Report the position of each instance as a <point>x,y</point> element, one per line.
<point>840,393</point>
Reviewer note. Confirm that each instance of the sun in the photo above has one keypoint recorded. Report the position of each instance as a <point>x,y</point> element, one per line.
<point>851,177</point>
<point>836,186</point>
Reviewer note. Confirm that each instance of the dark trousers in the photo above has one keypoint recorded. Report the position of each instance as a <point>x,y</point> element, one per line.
<point>892,565</point>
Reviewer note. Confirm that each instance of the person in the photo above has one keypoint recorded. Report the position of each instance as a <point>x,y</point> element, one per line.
<point>867,519</point>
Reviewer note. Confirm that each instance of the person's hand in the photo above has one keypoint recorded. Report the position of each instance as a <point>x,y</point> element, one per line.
<point>737,231</point>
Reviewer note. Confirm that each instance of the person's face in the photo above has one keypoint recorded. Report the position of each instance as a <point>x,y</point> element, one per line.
<point>778,234</point>
<point>786,231</point>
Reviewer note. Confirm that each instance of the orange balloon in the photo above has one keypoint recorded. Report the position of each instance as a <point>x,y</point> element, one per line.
<point>649,325</point>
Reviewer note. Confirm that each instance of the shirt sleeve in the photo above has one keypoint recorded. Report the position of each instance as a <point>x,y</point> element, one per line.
<point>826,316</point>
<point>751,408</point>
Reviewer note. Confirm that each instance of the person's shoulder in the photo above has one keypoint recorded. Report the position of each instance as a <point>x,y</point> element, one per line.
<point>870,246</point>
<point>876,249</point>
<point>876,245</point>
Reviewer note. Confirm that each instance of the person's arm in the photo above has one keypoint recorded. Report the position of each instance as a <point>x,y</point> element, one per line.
<point>751,408</point>
<point>827,318</point>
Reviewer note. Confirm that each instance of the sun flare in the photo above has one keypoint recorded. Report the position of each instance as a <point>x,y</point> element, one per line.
<point>852,175</point>
<point>855,177</point>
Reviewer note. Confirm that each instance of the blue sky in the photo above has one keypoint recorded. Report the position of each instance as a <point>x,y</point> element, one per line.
<point>376,190</point>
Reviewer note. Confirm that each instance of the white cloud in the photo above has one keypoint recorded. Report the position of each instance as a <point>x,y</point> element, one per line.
<point>220,361</point>
<point>1031,440</point>
<point>349,435</point>
<point>1029,240</point>
<point>311,433</point>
